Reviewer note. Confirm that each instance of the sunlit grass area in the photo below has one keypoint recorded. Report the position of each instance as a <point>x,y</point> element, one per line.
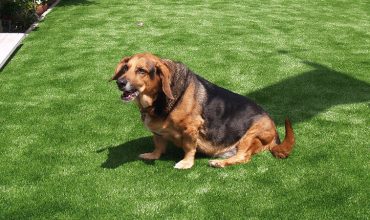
<point>69,146</point>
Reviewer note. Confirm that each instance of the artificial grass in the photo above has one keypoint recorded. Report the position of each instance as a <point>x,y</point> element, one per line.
<point>69,146</point>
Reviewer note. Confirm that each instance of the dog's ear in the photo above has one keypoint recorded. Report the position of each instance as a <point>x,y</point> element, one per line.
<point>121,68</point>
<point>165,74</point>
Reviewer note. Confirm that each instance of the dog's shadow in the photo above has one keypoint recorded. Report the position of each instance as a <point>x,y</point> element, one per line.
<point>310,93</point>
<point>129,152</point>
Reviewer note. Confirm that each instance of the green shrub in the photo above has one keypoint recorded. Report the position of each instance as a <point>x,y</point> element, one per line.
<point>17,15</point>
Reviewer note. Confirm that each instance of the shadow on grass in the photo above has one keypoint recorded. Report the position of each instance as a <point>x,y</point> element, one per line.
<point>300,97</point>
<point>310,93</point>
<point>129,152</point>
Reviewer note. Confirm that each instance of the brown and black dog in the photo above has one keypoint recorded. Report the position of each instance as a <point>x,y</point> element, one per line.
<point>179,106</point>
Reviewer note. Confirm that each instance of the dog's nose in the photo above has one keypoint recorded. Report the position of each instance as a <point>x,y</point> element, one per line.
<point>121,82</point>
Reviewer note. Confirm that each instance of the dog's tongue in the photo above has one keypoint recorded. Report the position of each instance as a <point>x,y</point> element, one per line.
<point>128,95</point>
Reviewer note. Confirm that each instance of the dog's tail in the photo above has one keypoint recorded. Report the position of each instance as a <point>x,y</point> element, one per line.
<point>283,150</point>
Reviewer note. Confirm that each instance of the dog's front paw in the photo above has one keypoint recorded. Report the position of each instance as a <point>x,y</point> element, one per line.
<point>149,156</point>
<point>217,163</point>
<point>183,164</point>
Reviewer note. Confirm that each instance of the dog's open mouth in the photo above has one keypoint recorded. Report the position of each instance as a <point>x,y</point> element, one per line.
<point>129,95</point>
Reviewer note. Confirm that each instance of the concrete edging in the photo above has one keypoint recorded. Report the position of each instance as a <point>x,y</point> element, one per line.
<point>36,23</point>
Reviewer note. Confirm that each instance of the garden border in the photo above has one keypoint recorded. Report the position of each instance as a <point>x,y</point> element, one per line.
<point>43,15</point>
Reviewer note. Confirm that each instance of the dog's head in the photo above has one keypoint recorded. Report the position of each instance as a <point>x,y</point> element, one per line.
<point>141,77</point>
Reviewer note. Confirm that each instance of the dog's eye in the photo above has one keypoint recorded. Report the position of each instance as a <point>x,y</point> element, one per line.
<point>141,71</point>
<point>124,68</point>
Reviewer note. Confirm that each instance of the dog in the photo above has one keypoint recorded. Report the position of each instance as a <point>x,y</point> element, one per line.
<point>180,106</point>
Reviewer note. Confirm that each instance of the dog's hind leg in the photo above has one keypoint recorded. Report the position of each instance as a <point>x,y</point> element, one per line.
<point>160,147</point>
<point>245,149</point>
<point>227,154</point>
<point>258,138</point>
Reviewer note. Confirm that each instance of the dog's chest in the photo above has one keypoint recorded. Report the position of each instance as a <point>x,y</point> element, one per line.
<point>161,127</point>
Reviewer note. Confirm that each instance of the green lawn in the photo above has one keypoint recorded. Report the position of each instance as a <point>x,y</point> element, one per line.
<point>69,146</point>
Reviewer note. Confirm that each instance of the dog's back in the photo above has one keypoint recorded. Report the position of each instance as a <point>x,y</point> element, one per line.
<point>227,115</point>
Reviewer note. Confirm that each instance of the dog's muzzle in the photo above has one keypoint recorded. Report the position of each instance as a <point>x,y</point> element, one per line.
<point>129,92</point>
<point>121,83</point>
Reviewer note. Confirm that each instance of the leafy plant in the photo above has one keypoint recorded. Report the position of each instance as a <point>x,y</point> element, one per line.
<point>19,14</point>
<point>41,2</point>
